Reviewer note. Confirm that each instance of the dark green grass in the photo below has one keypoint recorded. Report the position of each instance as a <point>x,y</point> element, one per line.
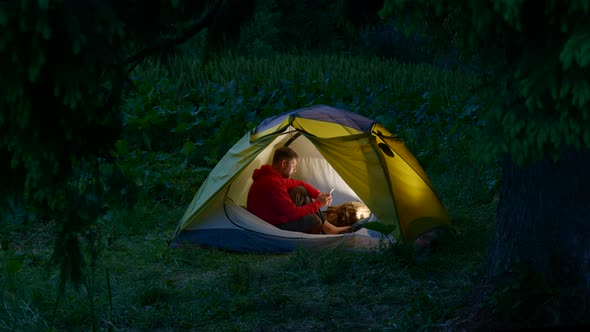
<point>153,287</point>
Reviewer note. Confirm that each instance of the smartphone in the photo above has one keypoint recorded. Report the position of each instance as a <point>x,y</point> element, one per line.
<point>331,190</point>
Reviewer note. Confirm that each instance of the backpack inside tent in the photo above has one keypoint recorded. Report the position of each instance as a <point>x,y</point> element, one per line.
<point>336,148</point>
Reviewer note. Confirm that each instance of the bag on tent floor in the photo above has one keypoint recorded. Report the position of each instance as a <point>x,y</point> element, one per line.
<point>347,213</point>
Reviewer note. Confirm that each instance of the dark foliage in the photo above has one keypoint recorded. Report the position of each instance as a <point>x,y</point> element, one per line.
<point>63,66</point>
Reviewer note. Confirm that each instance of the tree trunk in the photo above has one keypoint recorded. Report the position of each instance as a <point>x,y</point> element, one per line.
<point>539,259</point>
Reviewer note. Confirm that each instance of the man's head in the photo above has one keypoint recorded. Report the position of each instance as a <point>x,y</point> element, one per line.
<point>284,161</point>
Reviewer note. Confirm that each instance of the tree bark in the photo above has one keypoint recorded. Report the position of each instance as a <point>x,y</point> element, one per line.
<point>539,259</point>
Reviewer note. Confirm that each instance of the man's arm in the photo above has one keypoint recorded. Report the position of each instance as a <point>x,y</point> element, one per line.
<point>313,192</point>
<point>283,205</point>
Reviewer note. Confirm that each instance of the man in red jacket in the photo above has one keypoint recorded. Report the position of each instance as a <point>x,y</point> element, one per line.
<point>287,203</point>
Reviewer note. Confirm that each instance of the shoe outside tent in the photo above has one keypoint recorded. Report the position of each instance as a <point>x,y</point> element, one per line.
<point>336,148</point>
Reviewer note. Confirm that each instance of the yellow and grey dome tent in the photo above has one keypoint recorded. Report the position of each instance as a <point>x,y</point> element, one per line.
<point>336,148</point>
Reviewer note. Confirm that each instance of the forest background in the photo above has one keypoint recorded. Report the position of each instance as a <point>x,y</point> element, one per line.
<point>88,211</point>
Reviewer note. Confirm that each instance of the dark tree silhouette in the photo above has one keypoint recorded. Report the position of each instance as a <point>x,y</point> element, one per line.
<point>532,54</point>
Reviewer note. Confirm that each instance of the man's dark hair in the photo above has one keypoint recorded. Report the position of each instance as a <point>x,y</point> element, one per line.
<point>283,153</point>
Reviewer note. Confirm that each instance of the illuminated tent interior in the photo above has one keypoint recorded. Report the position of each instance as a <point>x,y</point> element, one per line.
<point>336,148</point>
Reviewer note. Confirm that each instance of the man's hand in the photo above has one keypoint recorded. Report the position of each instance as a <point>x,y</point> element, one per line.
<point>325,199</point>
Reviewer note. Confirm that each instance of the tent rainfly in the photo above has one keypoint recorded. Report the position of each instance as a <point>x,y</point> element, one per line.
<point>336,148</point>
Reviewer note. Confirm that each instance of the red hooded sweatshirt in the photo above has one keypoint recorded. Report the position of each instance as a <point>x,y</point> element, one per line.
<point>269,199</point>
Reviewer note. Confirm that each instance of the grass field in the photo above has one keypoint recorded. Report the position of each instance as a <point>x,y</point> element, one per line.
<point>139,284</point>
<point>152,287</point>
<point>327,71</point>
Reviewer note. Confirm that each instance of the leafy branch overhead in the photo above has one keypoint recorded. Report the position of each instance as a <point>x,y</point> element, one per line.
<point>539,54</point>
<point>63,65</point>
